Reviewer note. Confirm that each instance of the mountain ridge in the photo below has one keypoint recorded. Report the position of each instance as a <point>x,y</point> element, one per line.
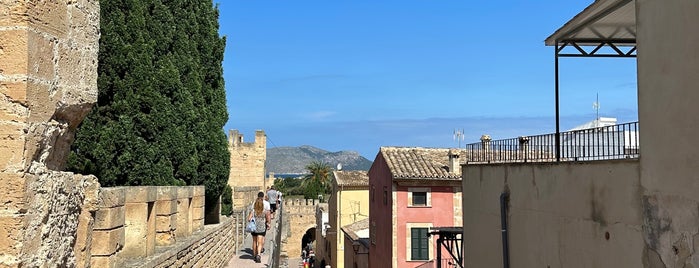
<point>293,160</point>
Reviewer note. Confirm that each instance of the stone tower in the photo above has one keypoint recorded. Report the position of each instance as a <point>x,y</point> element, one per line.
<point>247,160</point>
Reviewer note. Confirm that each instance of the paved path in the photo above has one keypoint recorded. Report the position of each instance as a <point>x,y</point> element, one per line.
<point>244,259</point>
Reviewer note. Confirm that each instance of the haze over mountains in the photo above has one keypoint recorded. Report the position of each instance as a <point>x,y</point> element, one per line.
<point>293,160</point>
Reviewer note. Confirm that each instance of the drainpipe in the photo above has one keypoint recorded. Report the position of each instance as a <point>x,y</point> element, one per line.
<point>504,203</point>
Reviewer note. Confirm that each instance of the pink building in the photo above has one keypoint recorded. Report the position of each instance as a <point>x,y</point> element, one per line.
<point>411,191</point>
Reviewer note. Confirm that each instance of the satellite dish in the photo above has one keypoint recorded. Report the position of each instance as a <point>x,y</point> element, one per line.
<point>339,166</point>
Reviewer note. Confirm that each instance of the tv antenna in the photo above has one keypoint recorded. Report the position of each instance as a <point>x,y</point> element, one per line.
<point>595,106</point>
<point>459,136</point>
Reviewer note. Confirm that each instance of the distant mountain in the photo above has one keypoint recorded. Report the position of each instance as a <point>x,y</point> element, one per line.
<point>293,160</point>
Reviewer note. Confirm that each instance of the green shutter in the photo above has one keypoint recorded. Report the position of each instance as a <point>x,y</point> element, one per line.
<point>419,246</point>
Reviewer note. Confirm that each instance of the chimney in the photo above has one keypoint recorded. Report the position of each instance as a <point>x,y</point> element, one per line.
<point>454,164</point>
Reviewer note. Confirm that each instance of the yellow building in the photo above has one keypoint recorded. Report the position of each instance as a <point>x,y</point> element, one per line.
<point>348,204</point>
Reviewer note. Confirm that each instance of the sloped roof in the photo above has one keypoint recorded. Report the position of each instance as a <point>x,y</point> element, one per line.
<point>357,230</point>
<point>351,178</point>
<point>602,20</point>
<point>421,163</point>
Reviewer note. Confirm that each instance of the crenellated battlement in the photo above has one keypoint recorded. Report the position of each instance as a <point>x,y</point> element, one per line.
<point>247,163</point>
<point>301,206</point>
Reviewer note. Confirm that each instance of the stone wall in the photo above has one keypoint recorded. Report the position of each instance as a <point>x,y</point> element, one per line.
<point>244,196</point>
<point>48,83</point>
<point>212,247</point>
<point>299,214</point>
<point>133,221</point>
<point>247,160</point>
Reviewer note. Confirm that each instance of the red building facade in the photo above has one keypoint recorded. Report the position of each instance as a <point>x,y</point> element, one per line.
<point>411,190</point>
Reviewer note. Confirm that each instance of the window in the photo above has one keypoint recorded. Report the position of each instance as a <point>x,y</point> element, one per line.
<point>385,195</point>
<point>419,244</point>
<point>419,197</point>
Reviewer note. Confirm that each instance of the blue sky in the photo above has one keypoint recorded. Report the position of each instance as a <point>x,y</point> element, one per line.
<point>357,75</point>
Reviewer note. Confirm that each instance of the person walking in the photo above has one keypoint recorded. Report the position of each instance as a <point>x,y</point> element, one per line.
<point>273,194</point>
<point>262,223</point>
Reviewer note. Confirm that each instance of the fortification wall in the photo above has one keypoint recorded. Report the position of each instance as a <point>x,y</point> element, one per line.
<point>244,196</point>
<point>300,216</point>
<point>48,83</point>
<point>247,160</point>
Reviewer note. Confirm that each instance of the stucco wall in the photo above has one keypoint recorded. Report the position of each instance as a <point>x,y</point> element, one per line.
<point>353,206</point>
<point>559,214</point>
<point>440,213</point>
<point>668,92</point>
<point>380,215</point>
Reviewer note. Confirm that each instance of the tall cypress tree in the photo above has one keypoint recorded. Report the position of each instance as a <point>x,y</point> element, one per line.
<point>162,105</point>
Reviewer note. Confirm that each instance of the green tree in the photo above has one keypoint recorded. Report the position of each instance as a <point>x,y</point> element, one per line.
<point>161,104</point>
<point>318,180</point>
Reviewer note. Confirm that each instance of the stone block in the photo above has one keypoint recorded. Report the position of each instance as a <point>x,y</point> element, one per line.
<point>11,234</point>
<point>84,23</point>
<point>11,147</point>
<point>197,213</point>
<point>12,193</point>
<point>107,242</point>
<point>198,201</point>
<point>185,192</point>
<point>41,105</point>
<point>164,238</point>
<point>198,190</point>
<point>165,223</point>
<point>111,261</point>
<point>14,56</point>
<point>14,101</point>
<point>70,68</point>
<point>166,193</point>
<point>40,57</point>
<point>11,13</point>
<point>140,229</point>
<point>183,228</point>
<point>166,207</point>
<point>109,218</point>
<point>112,197</point>
<point>141,194</point>
<point>49,16</point>
<point>197,224</point>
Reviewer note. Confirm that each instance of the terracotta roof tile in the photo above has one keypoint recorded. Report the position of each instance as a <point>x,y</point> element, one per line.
<point>421,163</point>
<point>351,178</point>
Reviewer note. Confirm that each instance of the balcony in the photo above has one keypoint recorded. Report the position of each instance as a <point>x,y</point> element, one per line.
<point>599,143</point>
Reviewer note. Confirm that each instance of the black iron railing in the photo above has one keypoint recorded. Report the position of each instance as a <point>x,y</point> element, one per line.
<point>600,143</point>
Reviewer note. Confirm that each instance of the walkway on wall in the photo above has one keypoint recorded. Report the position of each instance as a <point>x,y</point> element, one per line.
<point>244,258</point>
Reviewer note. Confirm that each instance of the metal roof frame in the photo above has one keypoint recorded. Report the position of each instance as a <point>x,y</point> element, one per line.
<point>595,28</point>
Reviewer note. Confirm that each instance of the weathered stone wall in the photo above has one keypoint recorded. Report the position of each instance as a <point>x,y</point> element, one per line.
<point>48,83</point>
<point>244,196</point>
<point>212,247</point>
<point>668,63</point>
<point>133,221</point>
<point>247,160</point>
<point>300,216</point>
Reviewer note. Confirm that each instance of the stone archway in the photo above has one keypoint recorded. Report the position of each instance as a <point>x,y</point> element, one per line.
<point>308,237</point>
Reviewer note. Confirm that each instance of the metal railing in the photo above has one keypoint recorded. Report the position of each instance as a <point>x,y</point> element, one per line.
<point>599,143</point>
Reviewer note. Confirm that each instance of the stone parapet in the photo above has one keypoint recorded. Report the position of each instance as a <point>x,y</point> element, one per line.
<point>212,247</point>
<point>132,222</point>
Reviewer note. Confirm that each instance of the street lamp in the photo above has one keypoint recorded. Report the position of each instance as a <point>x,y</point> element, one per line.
<point>355,247</point>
